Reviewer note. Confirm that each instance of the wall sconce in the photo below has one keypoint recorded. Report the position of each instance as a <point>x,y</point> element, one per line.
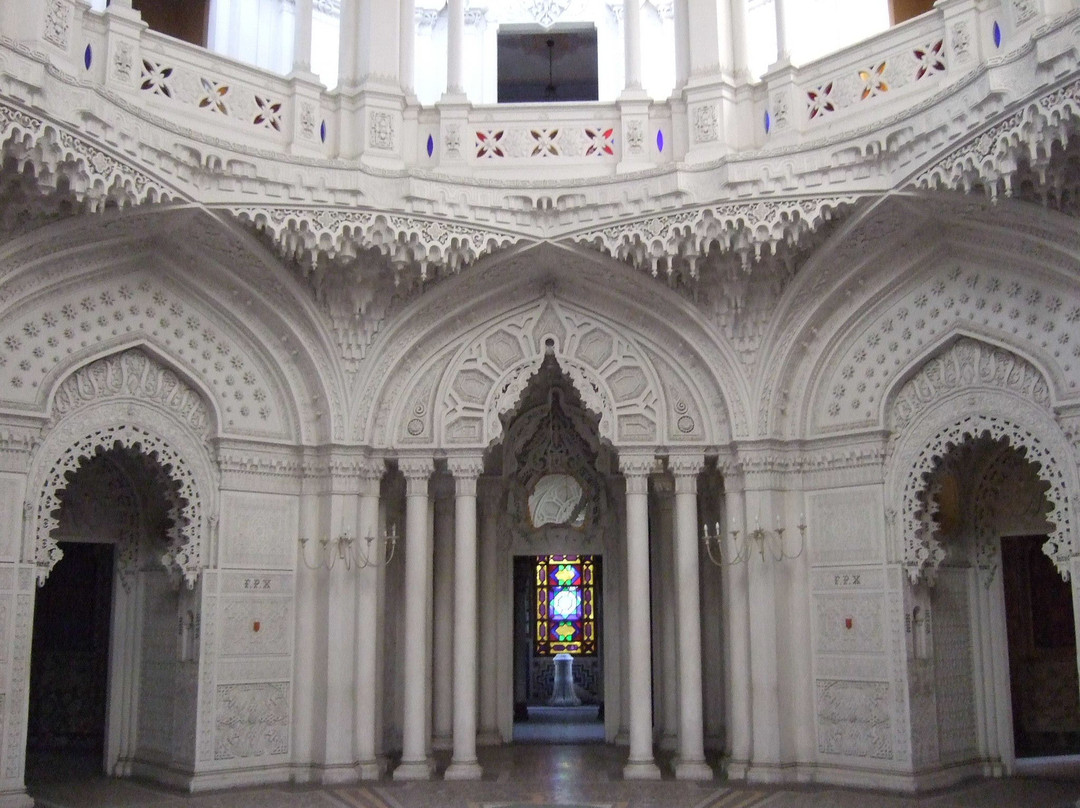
<point>758,540</point>
<point>349,550</point>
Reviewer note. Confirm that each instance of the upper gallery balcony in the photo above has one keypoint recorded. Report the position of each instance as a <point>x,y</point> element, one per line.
<point>541,93</point>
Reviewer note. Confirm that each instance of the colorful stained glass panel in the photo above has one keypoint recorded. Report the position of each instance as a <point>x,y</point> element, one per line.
<point>565,599</point>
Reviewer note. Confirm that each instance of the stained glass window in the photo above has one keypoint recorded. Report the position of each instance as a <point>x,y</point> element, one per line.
<point>565,605</point>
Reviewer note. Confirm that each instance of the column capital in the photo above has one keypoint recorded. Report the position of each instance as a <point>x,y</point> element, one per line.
<point>417,472</point>
<point>465,466</point>
<point>686,465</point>
<point>370,471</point>
<point>637,465</point>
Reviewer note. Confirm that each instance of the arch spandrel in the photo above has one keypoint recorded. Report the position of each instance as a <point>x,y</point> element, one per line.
<point>482,376</point>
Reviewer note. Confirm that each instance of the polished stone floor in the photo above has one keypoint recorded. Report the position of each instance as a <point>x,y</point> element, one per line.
<point>568,776</point>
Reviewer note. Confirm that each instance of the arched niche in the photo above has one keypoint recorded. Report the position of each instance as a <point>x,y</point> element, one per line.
<point>966,391</point>
<point>129,400</point>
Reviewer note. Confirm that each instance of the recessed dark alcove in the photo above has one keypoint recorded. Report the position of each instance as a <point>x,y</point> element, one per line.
<point>535,64</point>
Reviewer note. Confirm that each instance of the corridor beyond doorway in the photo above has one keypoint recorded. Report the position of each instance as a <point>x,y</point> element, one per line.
<point>566,725</point>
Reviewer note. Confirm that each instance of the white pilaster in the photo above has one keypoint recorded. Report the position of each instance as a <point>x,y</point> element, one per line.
<point>740,54</point>
<point>348,45</point>
<point>415,763</point>
<point>691,761</point>
<point>407,46</point>
<point>665,619</point>
<point>369,582</point>
<point>641,765</point>
<point>464,765</point>
<point>740,731</point>
<point>783,47</point>
<point>489,489</point>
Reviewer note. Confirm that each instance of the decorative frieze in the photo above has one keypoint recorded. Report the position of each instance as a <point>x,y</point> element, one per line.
<point>251,720</point>
<point>854,719</point>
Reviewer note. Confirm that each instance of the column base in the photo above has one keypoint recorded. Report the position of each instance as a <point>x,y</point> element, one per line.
<point>463,770</point>
<point>641,770</point>
<point>370,769</point>
<point>19,799</point>
<point>415,770</point>
<point>693,770</point>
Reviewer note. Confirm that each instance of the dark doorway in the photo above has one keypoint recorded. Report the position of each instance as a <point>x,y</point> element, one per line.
<point>539,65</point>
<point>1042,651</point>
<point>69,664</point>
<point>184,19</point>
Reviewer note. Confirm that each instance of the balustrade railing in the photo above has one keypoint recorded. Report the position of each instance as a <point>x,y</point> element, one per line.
<point>219,100</point>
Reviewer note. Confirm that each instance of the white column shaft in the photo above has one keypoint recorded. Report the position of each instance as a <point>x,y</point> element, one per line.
<point>464,765</point>
<point>455,47</point>
<point>783,49</point>
<point>641,764</point>
<point>740,54</point>
<point>417,688</point>
<point>407,46</point>
<point>739,704</point>
<point>632,43</point>
<point>348,43</point>
<point>302,36</point>
<point>691,762</point>
<point>443,634</point>
<point>682,42</point>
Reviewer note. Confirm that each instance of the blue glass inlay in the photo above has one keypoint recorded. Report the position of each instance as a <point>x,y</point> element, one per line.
<point>659,139</point>
<point>88,57</point>
<point>997,35</point>
<point>322,131</point>
<point>768,122</point>
<point>430,145</point>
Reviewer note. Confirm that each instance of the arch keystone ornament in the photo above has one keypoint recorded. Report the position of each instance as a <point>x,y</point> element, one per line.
<point>130,401</point>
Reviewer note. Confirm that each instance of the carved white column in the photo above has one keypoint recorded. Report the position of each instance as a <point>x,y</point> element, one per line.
<point>302,36</point>
<point>783,50</point>
<point>707,27</point>
<point>464,765</point>
<point>691,761</point>
<point>442,641</point>
<point>407,46</point>
<point>632,43</point>
<point>735,585</point>
<point>641,765</point>
<point>455,47</point>
<point>369,581</point>
<point>378,57</point>
<point>415,764</point>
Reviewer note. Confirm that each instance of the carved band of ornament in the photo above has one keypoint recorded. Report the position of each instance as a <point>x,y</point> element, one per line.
<point>968,362</point>
<point>255,464</point>
<point>132,374</point>
<point>993,157</point>
<point>676,242</point>
<point>93,176</point>
<point>422,246</point>
<point>923,551</point>
<point>184,553</point>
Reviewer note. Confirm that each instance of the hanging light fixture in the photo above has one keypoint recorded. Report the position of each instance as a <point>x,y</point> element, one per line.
<point>726,550</point>
<point>348,550</point>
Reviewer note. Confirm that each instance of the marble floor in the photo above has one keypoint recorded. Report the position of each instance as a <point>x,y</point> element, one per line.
<point>568,776</point>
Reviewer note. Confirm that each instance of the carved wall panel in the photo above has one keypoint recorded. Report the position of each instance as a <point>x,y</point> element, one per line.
<point>854,719</point>
<point>953,667</point>
<point>845,526</point>
<point>1023,311</point>
<point>255,626</point>
<point>157,669</point>
<point>258,531</point>
<point>252,721</point>
<point>12,487</point>
<point>849,623</point>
